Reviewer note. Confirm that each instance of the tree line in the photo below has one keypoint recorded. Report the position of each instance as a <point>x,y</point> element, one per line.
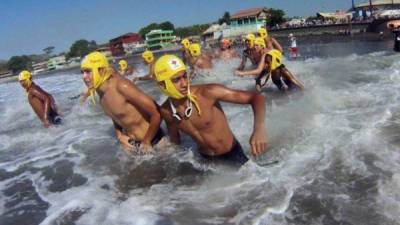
<point>82,47</point>
<point>79,48</point>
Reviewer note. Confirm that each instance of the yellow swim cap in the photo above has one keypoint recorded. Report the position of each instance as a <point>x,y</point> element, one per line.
<point>25,75</point>
<point>250,37</point>
<point>164,69</point>
<point>148,56</point>
<point>94,61</point>
<point>123,65</point>
<point>186,43</point>
<point>260,42</point>
<point>195,50</point>
<point>263,32</point>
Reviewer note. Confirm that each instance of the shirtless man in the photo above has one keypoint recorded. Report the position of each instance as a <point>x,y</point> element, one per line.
<point>198,61</point>
<point>124,68</point>
<point>270,42</point>
<point>271,64</point>
<point>135,116</point>
<point>249,52</point>
<point>225,51</point>
<point>148,59</point>
<point>196,111</point>
<point>42,103</point>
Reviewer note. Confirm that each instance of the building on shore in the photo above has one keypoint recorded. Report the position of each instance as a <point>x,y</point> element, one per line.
<point>106,50</point>
<point>124,44</point>
<point>338,16</point>
<point>246,21</point>
<point>58,62</point>
<point>376,8</point>
<point>6,73</point>
<point>158,39</point>
<point>39,67</point>
<point>214,32</point>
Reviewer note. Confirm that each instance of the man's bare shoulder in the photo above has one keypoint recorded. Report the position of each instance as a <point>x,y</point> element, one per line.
<point>123,83</point>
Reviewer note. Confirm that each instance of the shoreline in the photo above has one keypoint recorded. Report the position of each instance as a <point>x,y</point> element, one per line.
<point>311,38</point>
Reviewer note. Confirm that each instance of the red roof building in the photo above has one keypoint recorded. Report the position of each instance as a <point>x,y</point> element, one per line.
<point>121,44</point>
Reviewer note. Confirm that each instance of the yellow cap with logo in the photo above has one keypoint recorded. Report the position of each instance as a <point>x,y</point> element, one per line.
<point>148,56</point>
<point>95,61</point>
<point>250,37</point>
<point>260,42</point>
<point>263,32</point>
<point>25,75</point>
<point>186,43</point>
<point>123,65</point>
<point>195,50</point>
<point>164,69</point>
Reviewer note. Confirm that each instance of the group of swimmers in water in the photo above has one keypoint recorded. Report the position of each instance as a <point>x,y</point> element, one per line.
<point>191,109</point>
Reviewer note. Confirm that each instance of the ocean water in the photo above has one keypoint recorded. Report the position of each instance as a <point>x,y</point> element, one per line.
<point>337,145</point>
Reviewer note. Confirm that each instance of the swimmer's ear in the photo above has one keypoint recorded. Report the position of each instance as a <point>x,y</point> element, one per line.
<point>161,84</point>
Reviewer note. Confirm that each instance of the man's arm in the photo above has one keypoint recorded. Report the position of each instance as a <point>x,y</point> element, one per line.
<point>143,102</point>
<point>255,72</point>
<point>276,45</point>
<point>122,138</point>
<point>173,130</point>
<point>45,98</point>
<point>258,140</point>
<point>242,63</point>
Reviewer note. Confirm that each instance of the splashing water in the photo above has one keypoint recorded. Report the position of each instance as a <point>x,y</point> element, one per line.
<point>337,145</point>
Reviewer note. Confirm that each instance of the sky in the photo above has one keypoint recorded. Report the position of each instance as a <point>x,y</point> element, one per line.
<point>29,26</point>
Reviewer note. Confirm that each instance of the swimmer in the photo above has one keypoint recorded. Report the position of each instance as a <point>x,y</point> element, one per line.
<point>135,115</point>
<point>271,65</point>
<point>225,51</point>
<point>196,111</point>
<point>148,59</point>
<point>198,61</point>
<point>185,50</point>
<point>270,42</point>
<point>249,52</point>
<point>42,103</point>
<point>124,68</point>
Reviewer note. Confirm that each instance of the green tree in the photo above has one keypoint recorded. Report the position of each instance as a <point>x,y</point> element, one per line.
<point>81,48</point>
<point>18,63</point>
<point>197,29</point>
<point>226,18</point>
<point>49,50</point>
<point>167,26</point>
<point>277,16</point>
<point>144,30</point>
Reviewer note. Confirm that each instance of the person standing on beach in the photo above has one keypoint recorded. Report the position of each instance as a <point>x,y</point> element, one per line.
<point>42,103</point>
<point>271,65</point>
<point>293,51</point>
<point>135,115</point>
<point>196,111</point>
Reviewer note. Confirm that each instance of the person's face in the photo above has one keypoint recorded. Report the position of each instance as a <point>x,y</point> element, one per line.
<point>223,46</point>
<point>258,48</point>
<point>24,83</point>
<point>180,81</point>
<point>87,77</point>
<point>247,43</point>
